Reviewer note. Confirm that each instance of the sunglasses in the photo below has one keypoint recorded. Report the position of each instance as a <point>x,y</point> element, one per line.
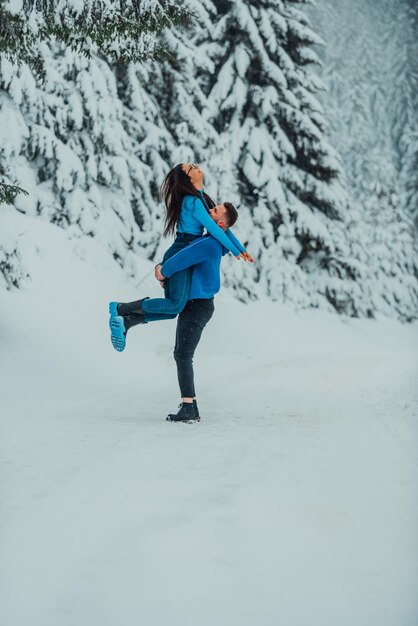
<point>193,166</point>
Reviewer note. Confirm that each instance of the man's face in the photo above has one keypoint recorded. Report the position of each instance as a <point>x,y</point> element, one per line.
<point>218,214</point>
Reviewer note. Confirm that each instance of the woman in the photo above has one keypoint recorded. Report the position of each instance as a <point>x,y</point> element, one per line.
<point>187,207</point>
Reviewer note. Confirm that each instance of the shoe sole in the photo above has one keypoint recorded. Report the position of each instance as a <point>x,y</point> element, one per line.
<point>113,309</point>
<point>192,421</point>
<point>117,329</point>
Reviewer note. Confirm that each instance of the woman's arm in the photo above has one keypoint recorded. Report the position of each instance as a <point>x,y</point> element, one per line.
<point>234,240</point>
<point>212,227</point>
<point>245,255</point>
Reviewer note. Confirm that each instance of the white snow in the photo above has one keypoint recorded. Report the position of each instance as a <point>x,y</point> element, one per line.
<point>292,502</point>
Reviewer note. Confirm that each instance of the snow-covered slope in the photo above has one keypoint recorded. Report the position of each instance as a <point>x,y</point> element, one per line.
<point>293,501</point>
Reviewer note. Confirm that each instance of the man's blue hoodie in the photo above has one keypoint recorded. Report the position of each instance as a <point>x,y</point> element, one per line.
<point>205,255</point>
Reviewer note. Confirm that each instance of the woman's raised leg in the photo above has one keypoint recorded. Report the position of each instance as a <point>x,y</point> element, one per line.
<point>177,293</point>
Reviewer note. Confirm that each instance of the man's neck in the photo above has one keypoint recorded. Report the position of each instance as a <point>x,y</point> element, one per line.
<point>199,187</point>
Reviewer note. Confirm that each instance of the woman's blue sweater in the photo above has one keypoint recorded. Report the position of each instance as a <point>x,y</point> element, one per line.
<point>194,218</point>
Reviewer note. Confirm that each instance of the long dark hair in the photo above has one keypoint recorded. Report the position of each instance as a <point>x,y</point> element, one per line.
<point>174,187</point>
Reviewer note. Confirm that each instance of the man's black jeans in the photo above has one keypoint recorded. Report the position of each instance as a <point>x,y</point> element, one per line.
<point>190,325</point>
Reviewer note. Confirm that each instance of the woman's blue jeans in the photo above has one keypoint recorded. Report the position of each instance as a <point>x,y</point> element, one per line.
<point>176,288</point>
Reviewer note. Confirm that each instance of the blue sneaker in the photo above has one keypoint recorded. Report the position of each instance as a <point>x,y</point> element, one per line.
<point>118,334</point>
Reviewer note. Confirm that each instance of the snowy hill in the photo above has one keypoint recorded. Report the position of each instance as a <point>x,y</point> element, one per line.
<point>292,501</point>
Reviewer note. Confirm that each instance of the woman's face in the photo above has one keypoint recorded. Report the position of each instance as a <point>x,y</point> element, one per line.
<point>194,172</point>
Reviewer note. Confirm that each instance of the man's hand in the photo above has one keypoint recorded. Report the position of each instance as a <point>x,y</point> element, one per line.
<point>158,275</point>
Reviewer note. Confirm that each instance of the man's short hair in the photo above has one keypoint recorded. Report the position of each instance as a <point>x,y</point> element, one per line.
<point>231,214</point>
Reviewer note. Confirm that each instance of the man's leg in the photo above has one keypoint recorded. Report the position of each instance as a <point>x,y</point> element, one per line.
<point>190,325</point>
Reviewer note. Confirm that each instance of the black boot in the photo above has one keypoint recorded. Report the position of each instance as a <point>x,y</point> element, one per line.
<point>133,320</point>
<point>185,414</point>
<point>196,410</point>
<point>129,308</point>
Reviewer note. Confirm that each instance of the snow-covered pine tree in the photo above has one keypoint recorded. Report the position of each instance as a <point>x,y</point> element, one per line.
<point>162,100</point>
<point>177,88</point>
<point>165,92</point>
<point>126,30</point>
<point>8,192</point>
<point>367,71</point>
<point>261,100</point>
<point>67,142</point>
<point>408,142</point>
<point>401,20</point>
<point>66,138</point>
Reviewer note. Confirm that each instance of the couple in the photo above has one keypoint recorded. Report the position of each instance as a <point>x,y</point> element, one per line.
<point>189,273</point>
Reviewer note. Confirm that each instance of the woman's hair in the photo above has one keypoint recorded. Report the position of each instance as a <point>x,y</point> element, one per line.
<point>174,187</point>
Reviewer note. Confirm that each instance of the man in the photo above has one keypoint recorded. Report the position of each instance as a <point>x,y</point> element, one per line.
<point>204,256</point>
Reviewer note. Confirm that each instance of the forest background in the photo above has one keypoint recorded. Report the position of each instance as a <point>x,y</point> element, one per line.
<point>303,115</point>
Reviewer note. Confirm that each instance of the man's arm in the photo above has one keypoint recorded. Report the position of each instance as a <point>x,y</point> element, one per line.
<point>193,254</point>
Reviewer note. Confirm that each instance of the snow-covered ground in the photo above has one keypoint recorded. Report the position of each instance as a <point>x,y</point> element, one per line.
<point>293,501</point>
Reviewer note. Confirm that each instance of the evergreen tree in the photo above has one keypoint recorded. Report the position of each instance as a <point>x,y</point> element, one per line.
<point>124,30</point>
<point>162,101</point>
<point>83,170</point>
<point>8,192</point>
<point>408,141</point>
<point>68,143</point>
<point>261,100</point>
<point>367,72</point>
<point>178,89</point>
<point>93,142</point>
<point>166,91</point>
